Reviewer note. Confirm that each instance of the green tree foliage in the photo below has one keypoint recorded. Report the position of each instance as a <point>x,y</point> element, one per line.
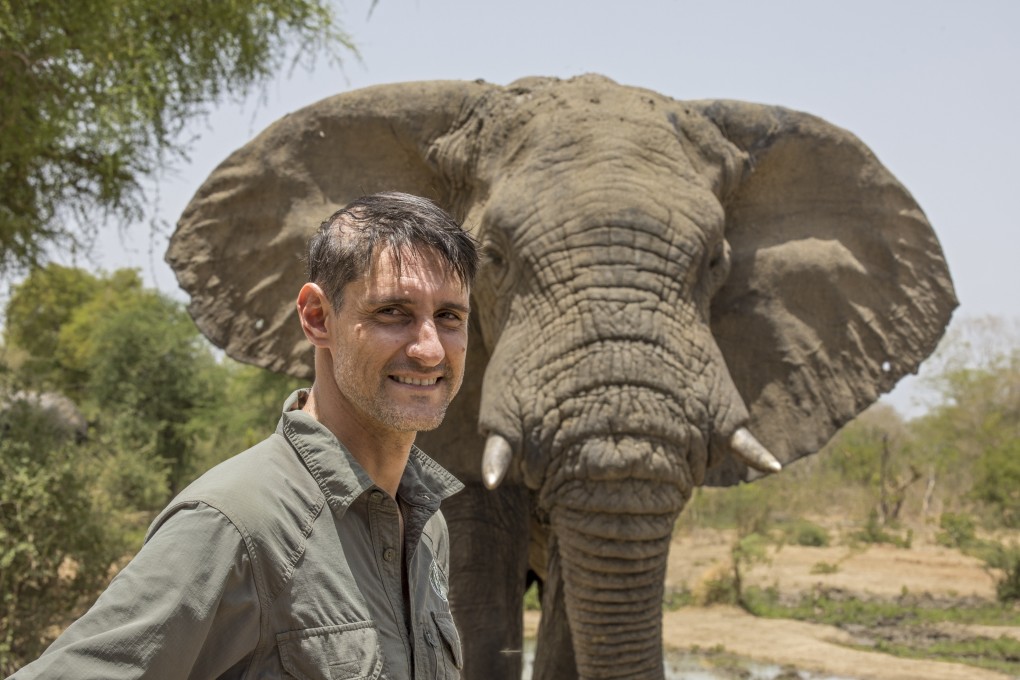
<point>96,94</point>
<point>40,310</point>
<point>247,408</point>
<point>971,431</point>
<point>856,452</point>
<point>136,365</point>
<point>145,369</point>
<point>162,407</point>
<point>974,432</point>
<point>36,319</point>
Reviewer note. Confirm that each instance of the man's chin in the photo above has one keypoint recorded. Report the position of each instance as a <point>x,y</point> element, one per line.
<point>416,422</point>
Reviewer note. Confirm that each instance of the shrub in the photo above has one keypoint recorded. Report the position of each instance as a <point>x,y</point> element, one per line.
<point>677,598</point>
<point>748,508</point>
<point>957,530</point>
<point>1006,559</point>
<point>806,533</point>
<point>55,547</point>
<point>874,532</point>
<point>997,482</point>
<point>720,589</point>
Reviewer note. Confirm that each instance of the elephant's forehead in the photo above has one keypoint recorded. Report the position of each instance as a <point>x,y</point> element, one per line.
<point>581,176</point>
<point>610,146</point>
<point>586,133</point>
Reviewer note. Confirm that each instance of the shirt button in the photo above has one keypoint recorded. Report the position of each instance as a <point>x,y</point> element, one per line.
<point>389,554</point>
<point>377,496</point>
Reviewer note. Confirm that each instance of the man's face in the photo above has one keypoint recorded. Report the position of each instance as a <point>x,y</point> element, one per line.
<point>399,339</point>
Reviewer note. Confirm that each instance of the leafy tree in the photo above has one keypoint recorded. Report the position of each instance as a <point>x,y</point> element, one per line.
<point>973,432</point>
<point>856,451</point>
<point>162,406</point>
<point>41,305</point>
<point>243,409</point>
<point>146,372</point>
<point>977,432</point>
<point>876,452</point>
<point>157,394</point>
<point>96,94</point>
<point>130,357</point>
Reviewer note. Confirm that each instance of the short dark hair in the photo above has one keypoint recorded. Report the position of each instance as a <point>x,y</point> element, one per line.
<point>341,250</point>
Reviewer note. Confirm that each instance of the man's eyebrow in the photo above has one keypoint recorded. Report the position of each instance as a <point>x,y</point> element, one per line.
<point>396,300</point>
<point>457,307</point>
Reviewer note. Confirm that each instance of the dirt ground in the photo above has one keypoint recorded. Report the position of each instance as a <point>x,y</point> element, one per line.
<point>879,571</point>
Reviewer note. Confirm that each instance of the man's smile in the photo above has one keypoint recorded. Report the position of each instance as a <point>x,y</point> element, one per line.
<point>408,380</point>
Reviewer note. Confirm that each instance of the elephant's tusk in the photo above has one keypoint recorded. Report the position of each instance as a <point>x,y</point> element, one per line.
<point>495,460</point>
<point>752,452</point>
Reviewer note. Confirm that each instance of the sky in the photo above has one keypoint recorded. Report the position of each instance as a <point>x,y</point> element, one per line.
<point>931,86</point>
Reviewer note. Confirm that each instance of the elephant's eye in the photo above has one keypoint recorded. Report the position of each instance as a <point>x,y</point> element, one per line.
<point>493,256</point>
<point>495,261</point>
<point>720,256</point>
<point>718,267</point>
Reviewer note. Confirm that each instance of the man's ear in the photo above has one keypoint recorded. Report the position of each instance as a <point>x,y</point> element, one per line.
<point>313,309</point>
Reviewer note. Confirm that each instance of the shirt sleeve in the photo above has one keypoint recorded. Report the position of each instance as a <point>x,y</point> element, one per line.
<point>185,607</point>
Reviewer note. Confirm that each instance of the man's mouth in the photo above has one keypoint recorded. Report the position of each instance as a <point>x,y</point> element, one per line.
<point>404,380</point>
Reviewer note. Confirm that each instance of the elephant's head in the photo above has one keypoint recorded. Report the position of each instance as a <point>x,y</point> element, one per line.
<point>663,278</point>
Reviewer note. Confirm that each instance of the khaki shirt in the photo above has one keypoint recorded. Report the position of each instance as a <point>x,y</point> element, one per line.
<point>283,561</point>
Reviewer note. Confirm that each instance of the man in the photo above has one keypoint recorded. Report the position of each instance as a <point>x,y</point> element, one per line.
<point>320,552</point>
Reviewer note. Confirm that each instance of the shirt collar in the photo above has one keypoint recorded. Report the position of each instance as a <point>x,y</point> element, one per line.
<point>341,477</point>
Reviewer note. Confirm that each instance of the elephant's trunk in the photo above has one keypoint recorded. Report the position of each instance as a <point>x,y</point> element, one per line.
<point>613,565</point>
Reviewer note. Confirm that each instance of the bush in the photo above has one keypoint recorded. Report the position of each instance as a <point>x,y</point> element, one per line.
<point>806,533</point>
<point>720,589</point>
<point>748,508</point>
<point>957,530</point>
<point>997,482</point>
<point>874,532</point>
<point>55,545</point>
<point>1006,559</point>
<point>677,598</point>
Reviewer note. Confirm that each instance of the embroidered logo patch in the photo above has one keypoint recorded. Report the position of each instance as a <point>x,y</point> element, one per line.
<point>438,580</point>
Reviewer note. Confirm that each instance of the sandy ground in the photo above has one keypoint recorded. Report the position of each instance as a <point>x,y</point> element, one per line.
<point>879,570</point>
<point>871,571</point>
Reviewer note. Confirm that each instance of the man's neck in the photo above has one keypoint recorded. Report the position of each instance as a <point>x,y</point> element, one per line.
<point>383,454</point>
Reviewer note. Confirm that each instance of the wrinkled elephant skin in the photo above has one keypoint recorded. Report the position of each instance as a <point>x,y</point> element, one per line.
<point>671,289</point>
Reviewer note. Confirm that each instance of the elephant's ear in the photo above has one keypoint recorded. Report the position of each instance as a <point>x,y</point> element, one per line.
<point>239,247</point>
<point>838,286</point>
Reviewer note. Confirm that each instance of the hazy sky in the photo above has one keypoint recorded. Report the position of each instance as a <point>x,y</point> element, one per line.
<point>931,86</point>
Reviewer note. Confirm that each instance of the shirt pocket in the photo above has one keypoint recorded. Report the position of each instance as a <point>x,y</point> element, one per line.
<point>441,635</point>
<point>347,652</point>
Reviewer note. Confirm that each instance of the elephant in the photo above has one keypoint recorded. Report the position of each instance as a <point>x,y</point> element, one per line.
<point>54,411</point>
<point>674,294</point>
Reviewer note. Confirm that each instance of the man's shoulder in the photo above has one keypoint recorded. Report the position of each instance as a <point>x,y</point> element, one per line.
<point>269,470</point>
<point>266,493</point>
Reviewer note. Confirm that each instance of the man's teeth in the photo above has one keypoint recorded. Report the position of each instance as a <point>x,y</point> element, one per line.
<point>416,381</point>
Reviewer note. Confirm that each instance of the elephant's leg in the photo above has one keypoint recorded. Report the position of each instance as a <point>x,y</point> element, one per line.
<point>554,654</point>
<point>488,569</point>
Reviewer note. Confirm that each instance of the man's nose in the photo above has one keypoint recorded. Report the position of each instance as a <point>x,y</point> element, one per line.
<point>425,346</point>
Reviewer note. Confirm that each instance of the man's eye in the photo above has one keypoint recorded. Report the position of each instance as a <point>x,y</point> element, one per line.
<point>450,318</point>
